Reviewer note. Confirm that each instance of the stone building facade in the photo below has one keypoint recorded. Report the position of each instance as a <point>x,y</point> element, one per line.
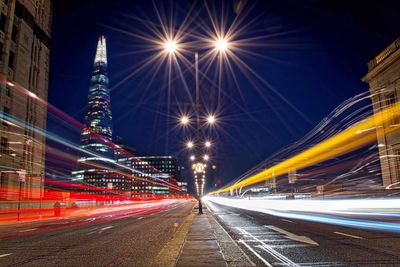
<point>25,30</point>
<point>383,78</point>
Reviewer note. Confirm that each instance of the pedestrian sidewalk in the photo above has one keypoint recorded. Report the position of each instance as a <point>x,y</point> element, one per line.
<point>207,244</point>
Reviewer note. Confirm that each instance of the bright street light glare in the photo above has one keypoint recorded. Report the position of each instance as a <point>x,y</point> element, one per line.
<point>208,144</point>
<point>221,44</point>
<point>184,120</point>
<point>211,119</point>
<point>206,157</point>
<point>189,144</point>
<point>192,158</point>
<point>170,46</point>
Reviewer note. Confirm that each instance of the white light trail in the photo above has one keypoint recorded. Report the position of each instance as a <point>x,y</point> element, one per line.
<point>345,212</point>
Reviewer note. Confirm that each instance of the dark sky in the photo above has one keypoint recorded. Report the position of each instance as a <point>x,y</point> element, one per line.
<point>313,53</point>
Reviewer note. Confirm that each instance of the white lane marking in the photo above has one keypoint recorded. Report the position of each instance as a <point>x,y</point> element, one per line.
<point>291,236</point>
<point>140,218</point>
<point>287,220</point>
<point>255,253</point>
<point>5,255</point>
<point>92,231</point>
<point>344,234</point>
<point>106,228</point>
<point>99,231</point>
<point>270,250</point>
<point>28,230</point>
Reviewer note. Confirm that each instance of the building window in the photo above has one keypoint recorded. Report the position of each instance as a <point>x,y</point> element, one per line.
<point>396,160</point>
<point>4,145</point>
<point>6,111</point>
<point>391,99</point>
<point>6,114</point>
<point>1,51</point>
<point>2,22</point>
<point>11,60</point>
<point>14,33</point>
<point>8,91</point>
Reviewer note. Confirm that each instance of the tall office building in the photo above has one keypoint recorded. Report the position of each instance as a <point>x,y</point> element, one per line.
<point>96,166</point>
<point>384,83</point>
<point>25,30</point>
<point>163,169</point>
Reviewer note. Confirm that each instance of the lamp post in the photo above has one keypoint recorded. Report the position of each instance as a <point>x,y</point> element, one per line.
<point>199,171</point>
<point>198,158</point>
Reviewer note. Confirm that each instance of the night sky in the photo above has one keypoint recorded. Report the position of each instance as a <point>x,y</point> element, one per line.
<point>313,53</point>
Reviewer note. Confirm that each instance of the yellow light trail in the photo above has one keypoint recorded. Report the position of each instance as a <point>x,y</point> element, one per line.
<point>350,139</point>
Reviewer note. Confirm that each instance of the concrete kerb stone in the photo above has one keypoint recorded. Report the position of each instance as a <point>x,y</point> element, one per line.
<point>170,253</point>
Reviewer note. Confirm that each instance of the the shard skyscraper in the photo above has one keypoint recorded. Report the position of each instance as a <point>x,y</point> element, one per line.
<point>96,161</point>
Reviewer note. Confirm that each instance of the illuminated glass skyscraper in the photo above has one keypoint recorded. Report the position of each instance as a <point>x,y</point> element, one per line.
<point>98,120</point>
<point>96,163</point>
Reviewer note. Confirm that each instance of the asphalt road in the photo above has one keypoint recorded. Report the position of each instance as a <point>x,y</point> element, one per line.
<point>119,238</point>
<point>275,241</point>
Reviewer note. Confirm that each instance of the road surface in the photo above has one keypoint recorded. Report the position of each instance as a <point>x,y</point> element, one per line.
<point>275,241</point>
<point>118,238</point>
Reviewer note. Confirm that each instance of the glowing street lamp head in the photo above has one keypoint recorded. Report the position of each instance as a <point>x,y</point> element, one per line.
<point>221,44</point>
<point>207,144</point>
<point>189,144</point>
<point>170,46</point>
<point>211,119</point>
<point>206,157</point>
<point>192,158</point>
<point>184,120</point>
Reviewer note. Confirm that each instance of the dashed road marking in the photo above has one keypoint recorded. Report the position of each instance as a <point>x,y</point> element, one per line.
<point>99,231</point>
<point>344,234</point>
<point>5,255</point>
<point>28,230</point>
<point>292,236</point>
<point>285,220</point>
<point>106,228</point>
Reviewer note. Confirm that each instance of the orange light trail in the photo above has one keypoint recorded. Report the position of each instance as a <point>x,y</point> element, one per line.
<point>352,138</point>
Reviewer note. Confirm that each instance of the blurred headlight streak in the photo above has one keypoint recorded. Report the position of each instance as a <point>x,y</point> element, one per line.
<point>371,214</point>
<point>355,136</point>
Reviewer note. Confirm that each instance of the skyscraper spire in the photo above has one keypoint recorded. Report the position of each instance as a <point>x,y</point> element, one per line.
<point>101,52</point>
<point>97,130</point>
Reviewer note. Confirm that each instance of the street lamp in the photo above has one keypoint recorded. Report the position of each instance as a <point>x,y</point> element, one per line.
<point>211,119</point>
<point>189,144</point>
<point>221,44</point>
<point>184,120</point>
<point>170,46</point>
<point>207,144</point>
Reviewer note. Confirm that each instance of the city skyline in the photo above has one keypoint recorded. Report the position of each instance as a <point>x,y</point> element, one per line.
<point>207,133</point>
<point>143,105</point>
